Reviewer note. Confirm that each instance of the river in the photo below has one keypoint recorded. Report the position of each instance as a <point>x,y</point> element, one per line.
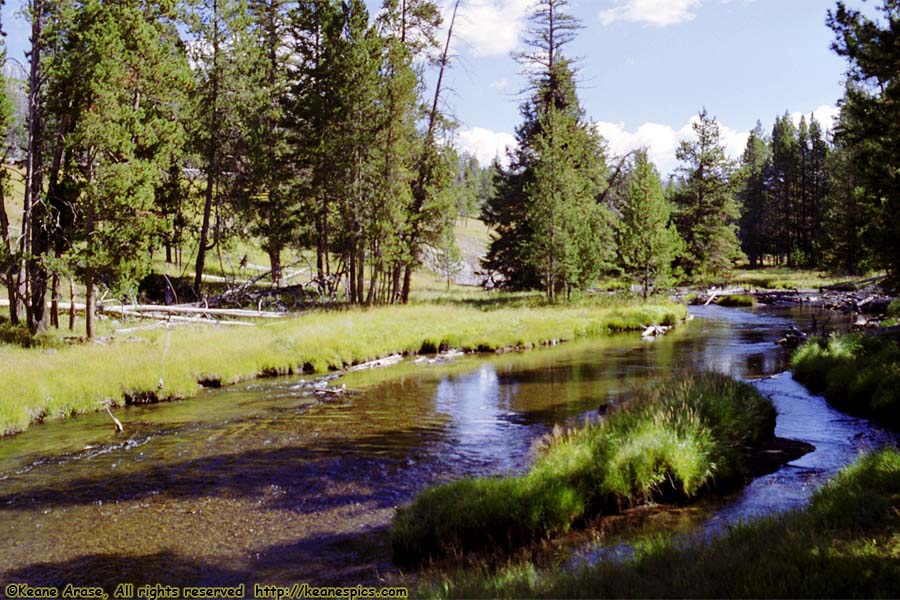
<point>272,483</point>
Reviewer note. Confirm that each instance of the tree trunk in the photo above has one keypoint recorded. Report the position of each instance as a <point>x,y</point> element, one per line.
<point>211,157</point>
<point>421,185</point>
<point>373,286</point>
<point>352,274</point>
<point>202,244</point>
<point>54,301</point>
<point>89,305</point>
<point>9,271</point>
<point>395,283</point>
<point>33,222</point>
<point>275,263</point>
<point>71,305</point>
<point>361,274</point>
<point>407,280</point>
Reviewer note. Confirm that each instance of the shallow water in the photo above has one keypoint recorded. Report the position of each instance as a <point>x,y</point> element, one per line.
<point>270,483</point>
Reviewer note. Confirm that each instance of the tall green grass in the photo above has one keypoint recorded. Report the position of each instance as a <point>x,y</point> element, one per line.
<point>670,441</point>
<point>845,544</point>
<point>742,300</point>
<point>36,384</point>
<point>857,373</point>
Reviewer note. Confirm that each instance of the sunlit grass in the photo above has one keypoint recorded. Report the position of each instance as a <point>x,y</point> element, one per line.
<point>845,544</point>
<point>668,442</point>
<point>742,300</point>
<point>784,278</point>
<point>71,380</point>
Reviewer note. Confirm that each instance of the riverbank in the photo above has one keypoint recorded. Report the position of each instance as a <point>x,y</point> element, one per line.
<point>846,543</point>
<point>155,365</point>
<point>668,442</point>
<point>857,373</point>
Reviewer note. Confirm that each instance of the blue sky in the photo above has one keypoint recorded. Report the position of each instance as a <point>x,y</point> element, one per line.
<point>647,67</point>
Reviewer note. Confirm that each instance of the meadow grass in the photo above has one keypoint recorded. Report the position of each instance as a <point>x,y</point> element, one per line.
<point>845,544</point>
<point>671,440</point>
<point>780,278</point>
<point>859,374</point>
<point>37,383</point>
<point>743,300</point>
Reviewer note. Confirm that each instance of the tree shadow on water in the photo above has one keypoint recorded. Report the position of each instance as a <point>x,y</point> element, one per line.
<point>318,476</point>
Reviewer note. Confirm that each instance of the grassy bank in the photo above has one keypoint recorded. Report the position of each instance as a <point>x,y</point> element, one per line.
<point>35,384</point>
<point>845,544</point>
<point>859,374</point>
<point>785,278</point>
<point>668,442</point>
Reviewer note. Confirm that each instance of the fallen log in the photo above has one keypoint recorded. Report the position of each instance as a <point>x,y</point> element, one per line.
<point>180,319</point>
<point>136,309</point>
<point>199,310</point>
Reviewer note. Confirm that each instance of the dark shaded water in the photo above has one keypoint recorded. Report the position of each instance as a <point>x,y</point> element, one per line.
<point>269,483</point>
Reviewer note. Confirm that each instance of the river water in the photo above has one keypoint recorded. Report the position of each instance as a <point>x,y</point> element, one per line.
<point>272,483</point>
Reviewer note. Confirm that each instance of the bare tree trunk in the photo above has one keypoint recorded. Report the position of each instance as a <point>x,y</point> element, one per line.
<point>89,305</point>
<point>373,285</point>
<point>211,159</point>
<point>352,273</point>
<point>361,273</point>
<point>35,239</point>
<point>71,305</point>
<point>420,188</point>
<point>9,270</point>
<point>275,263</point>
<point>54,301</point>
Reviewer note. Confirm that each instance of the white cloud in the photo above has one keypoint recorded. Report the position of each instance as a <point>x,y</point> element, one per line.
<point>485,144</point>
<point>489,27</point>
<point>658,13</point>
<point>826,115</point>
<point>499,84</point>
<point>661,141</point>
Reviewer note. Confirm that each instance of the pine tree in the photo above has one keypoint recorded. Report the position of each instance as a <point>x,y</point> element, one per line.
<point>752,197</point>
<point>846,218</point>
<point>707,210</point>
<point>818,183</point>
<point>221,100</point>
<point>125,61</point>
<point>870,124</point>
<point>274,211</point>
<point>310,121</point>
<point>649,241</point>
<point>782,184</point>
<point>549,230</point>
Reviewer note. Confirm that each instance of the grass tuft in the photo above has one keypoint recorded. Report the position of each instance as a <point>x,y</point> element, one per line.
<point>742,300</point>
<point>670,441</point>
<point>845,544</point>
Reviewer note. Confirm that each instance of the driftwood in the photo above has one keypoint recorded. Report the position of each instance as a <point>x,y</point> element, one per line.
<point>655,330</point>
<point>181,319</point>
<point>387,361</point>
<point>118,423</point>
